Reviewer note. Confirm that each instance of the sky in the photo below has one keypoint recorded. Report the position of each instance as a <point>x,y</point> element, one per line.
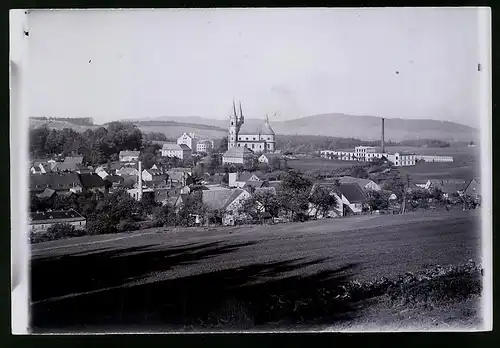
<point>118,64</point>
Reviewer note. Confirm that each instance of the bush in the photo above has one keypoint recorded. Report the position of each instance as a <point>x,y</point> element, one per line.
<point>55,232</point>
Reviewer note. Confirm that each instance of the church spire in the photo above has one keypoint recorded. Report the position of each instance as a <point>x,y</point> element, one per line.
<point>234,110</point>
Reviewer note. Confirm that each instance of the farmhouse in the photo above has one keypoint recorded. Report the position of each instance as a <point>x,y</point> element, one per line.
<point>353,198</point>
<point>41,221</point>
<point>129,156</point>
<point>227,202</point>
<point>181,151</point>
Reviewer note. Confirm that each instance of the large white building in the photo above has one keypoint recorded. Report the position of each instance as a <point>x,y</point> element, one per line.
<point>257,139</point>
<point>181,151</point>
<point>368,154</point>
<point>188,139</point>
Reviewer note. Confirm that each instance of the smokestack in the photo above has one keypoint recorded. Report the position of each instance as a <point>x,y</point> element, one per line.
<point>383,140</point>
<point>140,181</point>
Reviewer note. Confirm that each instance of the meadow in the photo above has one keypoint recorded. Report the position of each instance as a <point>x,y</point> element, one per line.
<point>254,275</point>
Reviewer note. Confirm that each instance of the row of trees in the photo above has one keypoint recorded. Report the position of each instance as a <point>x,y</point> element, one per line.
<point>96,145</point>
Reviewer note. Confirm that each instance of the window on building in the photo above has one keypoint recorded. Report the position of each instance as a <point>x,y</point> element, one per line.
<point>239,144</point>
<point>254,138</point>
<point>253,146</point>
<point>232,123</point>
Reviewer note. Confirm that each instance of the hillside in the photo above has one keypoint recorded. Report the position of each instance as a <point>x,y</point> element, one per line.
<point>361,127</point>
<point>170,128</point>
<point>333,125</point>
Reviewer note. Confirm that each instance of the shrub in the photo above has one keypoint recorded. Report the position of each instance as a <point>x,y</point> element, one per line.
<point>57,231</point>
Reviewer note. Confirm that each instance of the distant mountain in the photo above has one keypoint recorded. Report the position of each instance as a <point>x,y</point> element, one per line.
<point>333,125</point>
<point>361,127</point>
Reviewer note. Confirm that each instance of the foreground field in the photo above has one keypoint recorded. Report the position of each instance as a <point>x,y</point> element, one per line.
<point>166,276</point>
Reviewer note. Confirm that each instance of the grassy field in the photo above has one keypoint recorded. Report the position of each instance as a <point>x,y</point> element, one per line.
<point>163,276</point>
<point>310,164</point>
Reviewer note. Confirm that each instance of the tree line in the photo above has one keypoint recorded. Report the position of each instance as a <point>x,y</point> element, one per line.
<point>79,121</point>
<point>96,145</point>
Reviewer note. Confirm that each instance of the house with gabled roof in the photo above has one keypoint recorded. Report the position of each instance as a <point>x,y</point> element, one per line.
<point>93,182</point>
<point>129,156</point>
<point>333,189</point>
<point>240,179</point>
<point>353,198</point>
<point>365,184</point>
<point>55,181</point>
<point>473,188</point>
<point>41,221</point>
<point>227,202</point>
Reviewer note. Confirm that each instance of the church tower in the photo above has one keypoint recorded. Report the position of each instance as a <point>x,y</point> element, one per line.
<point>235,123</point>
<point>232,135</point>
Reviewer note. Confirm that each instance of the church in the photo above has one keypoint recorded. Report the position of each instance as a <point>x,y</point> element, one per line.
<point>258,139</point>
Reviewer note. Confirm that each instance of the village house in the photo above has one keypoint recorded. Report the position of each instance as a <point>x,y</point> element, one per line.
<point>189,140</point>
<point>238,155</point>
<point>150,174</point>
<point>128,170</point>
<point>93,182</point>
<point>268,158</point>
<point>353,198</point>
<point>113,182</point>
<point>40,168</point>
<point>41,221</point>
<point>365,184</point>
<point>473,189</point>
<point>240,179</point>
<point>176,177</point>
<point>181,151</point>
<point>227,202</point>
<point>54,181</point>
<point>336,211</point>
<point>129,156</point>
<point>204,146</point>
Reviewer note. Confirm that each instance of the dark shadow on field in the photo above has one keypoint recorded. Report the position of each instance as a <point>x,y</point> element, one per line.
<point>236,298</point>
<point>103,268</point>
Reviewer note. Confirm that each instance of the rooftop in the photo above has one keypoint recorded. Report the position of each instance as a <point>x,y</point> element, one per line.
<point>55,216</point>
<point>352,192</point>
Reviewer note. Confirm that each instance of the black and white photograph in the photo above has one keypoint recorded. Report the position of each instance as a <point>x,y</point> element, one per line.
<point>251,170</point>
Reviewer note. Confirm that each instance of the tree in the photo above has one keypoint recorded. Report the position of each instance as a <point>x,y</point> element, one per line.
<point>275,163</point>
<point>259,203</point>
<point>323,200</point>
<point>165,215</point>
<point>223,146</point>
<point>359,172</point>
<point>59,231</point>
<point>293,196</point>
<point>193,206</point>
<point>378,200</point>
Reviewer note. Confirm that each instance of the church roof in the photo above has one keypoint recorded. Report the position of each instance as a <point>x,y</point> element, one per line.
<point>264,129</point>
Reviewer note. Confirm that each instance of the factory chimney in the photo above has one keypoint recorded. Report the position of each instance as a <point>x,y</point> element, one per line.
<point>139,195</point>
<point>383,140</point>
